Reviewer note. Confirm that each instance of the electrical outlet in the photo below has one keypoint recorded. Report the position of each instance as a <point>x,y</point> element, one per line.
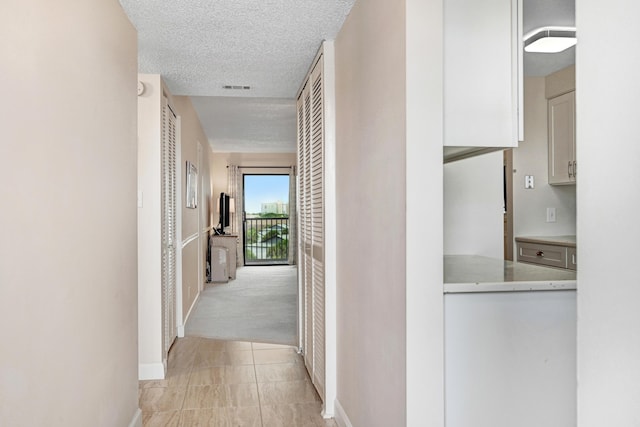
<point>551,214</point>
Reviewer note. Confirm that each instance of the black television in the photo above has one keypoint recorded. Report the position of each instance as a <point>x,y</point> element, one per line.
<point>223,208</point>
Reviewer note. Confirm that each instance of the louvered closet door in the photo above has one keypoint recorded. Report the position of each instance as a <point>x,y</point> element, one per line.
<point>311,198</point>
<point>304,162</point>
<point>169,192</point>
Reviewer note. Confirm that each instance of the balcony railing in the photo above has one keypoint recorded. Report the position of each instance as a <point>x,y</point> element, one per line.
<point>266,241</point>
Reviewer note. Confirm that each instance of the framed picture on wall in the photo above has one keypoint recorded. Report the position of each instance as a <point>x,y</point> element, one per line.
<point>191,195</point>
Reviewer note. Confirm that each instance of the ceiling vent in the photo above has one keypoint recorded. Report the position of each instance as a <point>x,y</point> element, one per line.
<point>236,87</point>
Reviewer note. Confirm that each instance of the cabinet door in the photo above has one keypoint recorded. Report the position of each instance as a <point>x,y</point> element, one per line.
<point>562,139</point>
<point>481,73</point>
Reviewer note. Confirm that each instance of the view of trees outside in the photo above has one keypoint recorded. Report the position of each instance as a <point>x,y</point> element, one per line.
<point>266,230</point>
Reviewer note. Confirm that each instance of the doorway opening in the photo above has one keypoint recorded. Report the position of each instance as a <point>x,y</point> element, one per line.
<point>507,174</point>
<point>265,219</point>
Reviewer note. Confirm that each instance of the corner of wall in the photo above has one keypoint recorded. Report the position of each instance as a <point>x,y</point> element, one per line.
<point>136,421</point>
<point>149,224</point>
<point>341,417</point>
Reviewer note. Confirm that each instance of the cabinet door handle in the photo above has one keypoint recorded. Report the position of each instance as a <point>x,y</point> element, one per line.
<point>570,168</point>
<point>575,169</point>
<point>539,253</point>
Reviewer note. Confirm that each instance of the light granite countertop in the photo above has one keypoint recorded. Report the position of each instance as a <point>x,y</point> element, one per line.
<point>471,273</point>
<point>569,241</point>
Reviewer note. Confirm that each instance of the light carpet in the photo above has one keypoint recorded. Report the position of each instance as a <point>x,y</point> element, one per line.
<point>260,305</point>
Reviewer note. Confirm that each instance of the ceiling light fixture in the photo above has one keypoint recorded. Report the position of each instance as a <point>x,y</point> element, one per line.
<point>550,39</point>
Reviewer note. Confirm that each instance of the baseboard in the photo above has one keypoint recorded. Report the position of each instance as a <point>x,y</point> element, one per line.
<point>136,421</point>
<point>181,328</point>
<point>328,411</point>
<point>341,417</point>
<point>151,371</point>
<point>195,300</point>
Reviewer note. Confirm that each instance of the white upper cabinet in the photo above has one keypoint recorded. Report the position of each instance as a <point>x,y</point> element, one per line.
<point>482,73</point>
<point>563,167</point>
<point>560,90</point>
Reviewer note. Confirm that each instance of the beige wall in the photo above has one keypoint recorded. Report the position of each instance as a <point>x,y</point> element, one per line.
<point>68,296</point>
<point>192,136</point>
<point>370,200</point>
<point>195,222</point>
<point>531,158</point>
<point>222,160</point>
<point>219,174</point>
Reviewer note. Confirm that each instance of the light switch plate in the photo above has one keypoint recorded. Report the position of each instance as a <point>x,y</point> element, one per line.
<point>528,182</point>
<point>551,214</point>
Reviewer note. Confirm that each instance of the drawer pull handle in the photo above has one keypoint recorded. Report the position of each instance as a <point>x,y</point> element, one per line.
<point>539,253</point>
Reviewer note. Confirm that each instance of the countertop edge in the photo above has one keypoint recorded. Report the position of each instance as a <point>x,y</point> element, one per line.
<point>523,286</point>
<point>548,240</point>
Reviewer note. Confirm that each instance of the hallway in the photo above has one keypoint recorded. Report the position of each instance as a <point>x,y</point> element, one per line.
<point>261,304</point>
<point>231,383</point>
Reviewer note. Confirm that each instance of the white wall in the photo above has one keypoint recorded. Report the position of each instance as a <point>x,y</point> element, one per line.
<point>531,158</point>
<point>68,295</point>
<point>510,359</point>
<point>607,94</point>
<point>149,228</point>
<point>473,206</point>
<point>424,34</point>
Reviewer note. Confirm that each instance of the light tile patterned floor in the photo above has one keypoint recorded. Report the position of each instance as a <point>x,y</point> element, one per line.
<point>232,384</point>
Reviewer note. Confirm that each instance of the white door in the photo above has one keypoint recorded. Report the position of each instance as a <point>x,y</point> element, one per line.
<point>169,234</point>
<point>311,236</point>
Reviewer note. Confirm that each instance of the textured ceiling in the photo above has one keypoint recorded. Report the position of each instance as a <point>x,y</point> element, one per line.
<point>199,46</point>
<point>265,125</point>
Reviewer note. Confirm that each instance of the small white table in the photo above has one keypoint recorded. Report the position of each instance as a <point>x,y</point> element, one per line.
<point>229,241</point>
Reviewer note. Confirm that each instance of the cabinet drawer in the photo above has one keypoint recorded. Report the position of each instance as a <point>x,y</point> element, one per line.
<point>572,259</point>
<point>549,255</point>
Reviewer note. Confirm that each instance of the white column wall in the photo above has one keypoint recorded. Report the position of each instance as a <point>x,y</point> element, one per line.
<point>608,201</point>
